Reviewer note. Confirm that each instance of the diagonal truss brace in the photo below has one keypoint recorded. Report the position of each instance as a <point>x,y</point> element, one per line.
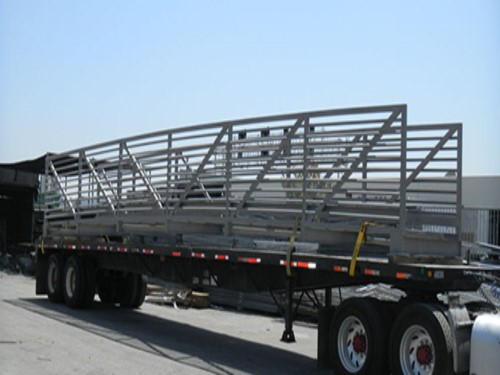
<point>205,192</point>
<point>58,180</point>
<point>430,156</point>
<point>201,167</point>
<point>339,161</point>
<point>362,156</point>
<point>144,177</point>
<point>269,164</point>
<point>99,183</point>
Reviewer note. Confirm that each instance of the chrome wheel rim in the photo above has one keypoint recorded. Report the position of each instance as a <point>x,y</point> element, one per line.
<point>352,344</point>
<point>70,282</point>
<point>52,276</point>
<point>416,351</point>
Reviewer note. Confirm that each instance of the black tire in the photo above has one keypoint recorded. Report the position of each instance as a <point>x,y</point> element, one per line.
<point>142,284</point>
<point>55,273</point>
<point>421,342</point>
<point>359,338</point>
<point>90,283</point>
<point>74,282</point>
<point>106,289</point>
<point>128,290</point>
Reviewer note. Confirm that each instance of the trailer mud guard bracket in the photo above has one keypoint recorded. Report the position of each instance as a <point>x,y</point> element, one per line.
<point>461,329</point>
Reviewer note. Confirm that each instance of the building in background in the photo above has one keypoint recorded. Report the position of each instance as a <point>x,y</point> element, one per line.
<point>481,213</point>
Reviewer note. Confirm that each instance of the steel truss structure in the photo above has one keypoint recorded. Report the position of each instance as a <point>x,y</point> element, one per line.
<point>325,172</point>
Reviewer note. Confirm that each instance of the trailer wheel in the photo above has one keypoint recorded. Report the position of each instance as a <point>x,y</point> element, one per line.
<point>421,342</point>
<point>74,282</point>
<point>128,290</point>
<point>106,289</point>
<point>358,338</point>
<point>55,272</point>
<point>90,283</point>
<point>142,284</point>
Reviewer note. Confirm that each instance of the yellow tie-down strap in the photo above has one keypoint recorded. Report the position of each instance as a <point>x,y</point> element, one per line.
<point>359,241</point>
<point>291,248</point>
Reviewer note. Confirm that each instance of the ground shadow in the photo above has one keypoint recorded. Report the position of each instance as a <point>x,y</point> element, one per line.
<point>193,346</point>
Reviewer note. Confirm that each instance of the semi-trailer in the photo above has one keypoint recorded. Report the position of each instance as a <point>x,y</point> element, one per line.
<point>305,201</point>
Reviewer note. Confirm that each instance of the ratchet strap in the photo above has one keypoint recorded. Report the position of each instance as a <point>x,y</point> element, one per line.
<point>359,241</point>
<point>291,249</point>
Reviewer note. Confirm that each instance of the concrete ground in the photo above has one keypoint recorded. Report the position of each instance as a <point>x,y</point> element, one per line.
<point>38,337</point>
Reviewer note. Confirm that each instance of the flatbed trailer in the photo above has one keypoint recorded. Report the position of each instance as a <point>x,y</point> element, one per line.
<point>307,201</point>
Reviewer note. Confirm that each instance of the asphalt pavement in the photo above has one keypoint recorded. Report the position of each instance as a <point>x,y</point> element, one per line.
<point>39,337</point>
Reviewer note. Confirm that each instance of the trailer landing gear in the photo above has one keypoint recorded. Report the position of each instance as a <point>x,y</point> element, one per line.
<point>288,335</point>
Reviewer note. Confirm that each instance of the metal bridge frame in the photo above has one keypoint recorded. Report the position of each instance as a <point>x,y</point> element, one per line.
<point>331,170</point>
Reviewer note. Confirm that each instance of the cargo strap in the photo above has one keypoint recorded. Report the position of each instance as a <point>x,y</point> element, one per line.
<point>291,248</point>
<point>359,241</point>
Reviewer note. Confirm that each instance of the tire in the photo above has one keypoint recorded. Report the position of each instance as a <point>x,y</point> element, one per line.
<point>359,338</point>
<point>421,342</point>
<point>90,283</point>
<point>128,290</point>
<point>106,289</point>
<point>142,284</point>
<point>74,282</point>
<point>55,273</point>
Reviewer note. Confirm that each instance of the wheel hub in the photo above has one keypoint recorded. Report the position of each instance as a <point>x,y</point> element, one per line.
<point>359,343</point>
<point>416,351</point>
<point>352,344</point>
<point>424,354</point>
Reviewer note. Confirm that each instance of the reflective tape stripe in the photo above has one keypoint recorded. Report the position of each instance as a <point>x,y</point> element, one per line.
<point>176,253</point>
<point>249,260</point>
<point>221,257</point>
<point>308,265</point>
<point>85,247</point>
<point>372,272</point>
<point>340,269</point>
<point>101,248</point>
<point>198,255</point>
<point>403,275</point>
<point>71,247</point>
<point>148,251</point>
<point>122,249</point>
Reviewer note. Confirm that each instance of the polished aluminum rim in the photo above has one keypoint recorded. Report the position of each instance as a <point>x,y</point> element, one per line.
<point>416,351</point>
<point>352,344</point>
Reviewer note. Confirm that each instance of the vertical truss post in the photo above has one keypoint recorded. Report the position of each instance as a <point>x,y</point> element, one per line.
<point>169,172</point>
<point>45,203</point>
<point>305,175</point>
<point>364,172</point>
<point>227,188</point>
<point>402,180</point>
<point>459,183</point>
<point>119,182</point>
<point>78,202</point>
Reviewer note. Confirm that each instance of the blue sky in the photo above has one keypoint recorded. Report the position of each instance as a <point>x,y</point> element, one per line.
<point>78,73</point>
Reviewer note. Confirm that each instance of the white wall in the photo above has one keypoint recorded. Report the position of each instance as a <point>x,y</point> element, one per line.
<point>481,192</point>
